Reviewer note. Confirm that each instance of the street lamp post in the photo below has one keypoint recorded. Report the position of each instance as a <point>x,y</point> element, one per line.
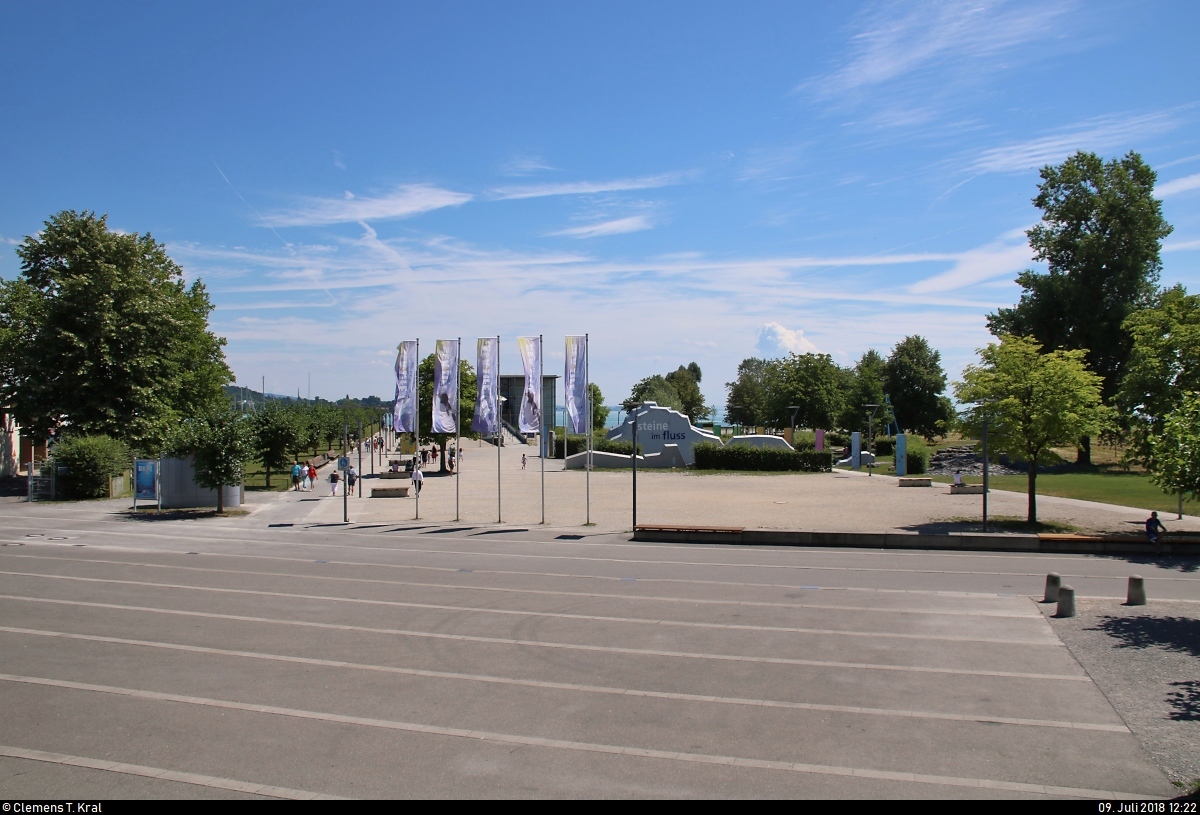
<point>985,472</point>
<point>871,437</point>
<point>631,409</point>
<point>794,409</point>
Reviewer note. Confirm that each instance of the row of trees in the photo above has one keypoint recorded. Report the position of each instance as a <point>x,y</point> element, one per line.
<point>1094,345</point>
<point>827,395</point>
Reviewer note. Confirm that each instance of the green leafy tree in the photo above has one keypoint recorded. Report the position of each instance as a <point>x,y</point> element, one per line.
<point>656,389</point>
<point>468,392</point>
<point>866,388</point>
<point>686,382</point>
<point>1033,401</point>
<point>102,334</point>
<point>812,382</point>
<point>747,400</point>
<point>219,443</point>
<point>275,436</point>
<point>1164,365</point>
<point>1175,449</point>
<point>915,381</point>
<point>599,409</point>
<point>1100,235</point>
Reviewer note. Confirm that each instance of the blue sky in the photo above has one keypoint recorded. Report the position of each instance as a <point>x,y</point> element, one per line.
<point>682,181</point>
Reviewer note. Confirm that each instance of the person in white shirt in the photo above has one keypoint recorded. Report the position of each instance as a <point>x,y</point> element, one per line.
<point>958,478</point>
<point>418,478</point>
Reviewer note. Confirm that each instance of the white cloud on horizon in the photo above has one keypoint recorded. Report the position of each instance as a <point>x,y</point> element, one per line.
<point>774,340</point>
<point>586,187</point>
<point>618,226</point>
<point>403,202</point>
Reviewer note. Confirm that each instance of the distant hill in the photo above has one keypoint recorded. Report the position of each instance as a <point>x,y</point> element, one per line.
<point>254,398</point>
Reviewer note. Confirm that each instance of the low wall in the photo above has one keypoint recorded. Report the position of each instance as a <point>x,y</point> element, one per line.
<point>179,490</point>
<point>962,541</point>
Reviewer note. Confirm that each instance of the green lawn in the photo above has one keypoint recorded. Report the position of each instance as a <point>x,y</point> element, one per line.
<point>256,478</point>
<point>1112,487</point>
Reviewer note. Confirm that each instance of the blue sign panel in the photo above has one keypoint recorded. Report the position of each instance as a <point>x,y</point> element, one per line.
<point>145,479</point>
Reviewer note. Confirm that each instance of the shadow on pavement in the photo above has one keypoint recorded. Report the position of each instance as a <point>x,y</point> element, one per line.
<point>499,531</point>
<point>14,486</point>
<point>1185,701</point>
<point>446,530</point>
<point>179,514</point>
<point>1187,565</point>
<point>1180,634</point>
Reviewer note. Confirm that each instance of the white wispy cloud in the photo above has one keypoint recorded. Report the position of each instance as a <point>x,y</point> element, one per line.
<point>774,340</point>
<point>339,160</point>
<point>402,202</point>
<point>618,226</point>
<point>525,165</point>
<point>1009,254</point>
<point>899,39</point>
<point>1102,133</point>
<point>1181,246</point>
<point>1188,182</point>
<point>587,187</point>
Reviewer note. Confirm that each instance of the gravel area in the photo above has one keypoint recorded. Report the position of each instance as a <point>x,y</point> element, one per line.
<point>1146,660</point>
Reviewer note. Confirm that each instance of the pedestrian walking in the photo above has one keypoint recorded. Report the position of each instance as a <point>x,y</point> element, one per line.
<point>1153,527</point>
<point>296,476</point>
<point>304,482</point>
<point>351,479</point>
<point>418,478</point>
<point>334,478</point>
<point>522,461</point>
<point>312,477</point>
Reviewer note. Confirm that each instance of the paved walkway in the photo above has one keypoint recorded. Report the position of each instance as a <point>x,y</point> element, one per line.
<point>835,502</point>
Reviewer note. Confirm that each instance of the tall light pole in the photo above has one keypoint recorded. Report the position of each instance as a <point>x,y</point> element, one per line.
<point>985,472</point>
<point>631,408</point>
<point>871,436</point>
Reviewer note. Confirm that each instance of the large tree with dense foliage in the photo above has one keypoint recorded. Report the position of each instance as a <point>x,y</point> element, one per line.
<point>1100,235</point>
<point>915,381</point>
<point>866,388</point>
<point>747,400</point>
<point>1164,365</point>
<point>275,436</point>
<point>1031,400</point>
<point>814,383</point>
<point>102,334</point>
<point>686,382</point>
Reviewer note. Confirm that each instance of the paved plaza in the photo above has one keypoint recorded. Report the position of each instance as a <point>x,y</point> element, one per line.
<point>285,654</point>
<point>841,501</point>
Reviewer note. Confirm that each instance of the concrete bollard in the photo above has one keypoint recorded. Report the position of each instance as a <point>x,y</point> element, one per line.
<point>1053,582</point>
<point>1137,591</point>
<point>1066,602</point>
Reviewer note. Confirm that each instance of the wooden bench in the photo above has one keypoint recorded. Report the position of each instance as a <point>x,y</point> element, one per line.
<point>915,481</point>
<point>389,492</point>
<point>966,489</point>
<point>401,475</point>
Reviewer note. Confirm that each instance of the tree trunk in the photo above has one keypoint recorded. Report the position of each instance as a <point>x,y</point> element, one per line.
<point>220,499</point>
<point>442,457</point>
<point>267,467</point>
<point>1083,453</point>
<point>1032,516</point>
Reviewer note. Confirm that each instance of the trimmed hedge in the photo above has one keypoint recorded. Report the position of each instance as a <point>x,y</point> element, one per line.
<point>578,444</point>
<point>86,464</point>
<point>710,456</point>
<point>917,455</point>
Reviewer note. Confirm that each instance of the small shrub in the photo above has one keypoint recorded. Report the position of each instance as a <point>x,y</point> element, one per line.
<point>885,446</point>
<point>86,464</point>
<point>917,455</point>
<point>712,456</point>
<point>804,440</point>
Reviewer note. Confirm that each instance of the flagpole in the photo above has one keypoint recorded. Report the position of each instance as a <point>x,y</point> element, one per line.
<point>417,430</point>
<point>587,370</point>
<point>499,425</point>
<point>542,401</point>
<point>457,424</point>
